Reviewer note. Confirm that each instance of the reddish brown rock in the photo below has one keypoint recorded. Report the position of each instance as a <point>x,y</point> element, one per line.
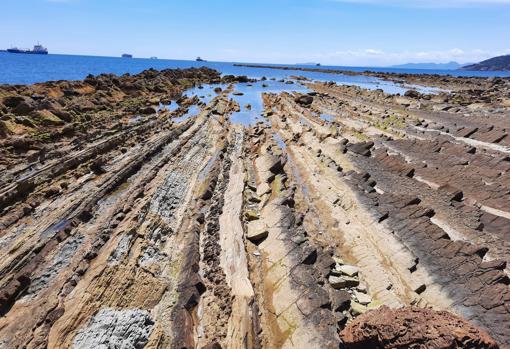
<point>413,327</point>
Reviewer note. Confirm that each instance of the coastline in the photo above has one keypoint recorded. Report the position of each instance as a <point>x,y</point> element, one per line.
<point>428,79</point>
<point>188,208</point>
<point>23,69</point>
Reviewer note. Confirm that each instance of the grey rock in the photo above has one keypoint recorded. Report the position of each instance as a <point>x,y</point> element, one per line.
<point>362,298</point>
<point>61,260</point>
<point>256,231</point>
<point>119,329</point>
<point>339,282</point>
<point>121,250</point>
<point>348,270</point>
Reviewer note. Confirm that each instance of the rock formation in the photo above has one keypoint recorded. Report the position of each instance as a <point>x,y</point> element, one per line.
<point>136,215</point>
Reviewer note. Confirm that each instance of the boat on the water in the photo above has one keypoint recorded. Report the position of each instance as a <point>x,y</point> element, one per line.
<point>126,55</point>
<point>154,57</point>
<point>200,60</point>
<point>37,50</point>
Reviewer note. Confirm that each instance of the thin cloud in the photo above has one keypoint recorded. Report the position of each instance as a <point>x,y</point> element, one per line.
<point>374,57</point>
<point>372,52</point>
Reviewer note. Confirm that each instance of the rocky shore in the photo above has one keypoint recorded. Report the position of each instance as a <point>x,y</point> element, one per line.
<point>447,82</point>
<point>135,215</point>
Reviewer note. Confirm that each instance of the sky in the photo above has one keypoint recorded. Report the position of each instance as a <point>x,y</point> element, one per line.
<point>332,32</point>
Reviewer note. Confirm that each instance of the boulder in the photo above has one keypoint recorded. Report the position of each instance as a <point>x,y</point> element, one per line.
<point>412,94</point>
<point>413,327</point>
<point>348,270</point>
<point>13,101</point>
<point>23,108</point>
<point>304,100</point>
<point>256,231</point>
<point>362,298</point>
<point>270,165</point>
<point>340,300</point>
<point>147,110</point>
<point>243,78</point>
<point>339,282</point>
<point>358,309</point>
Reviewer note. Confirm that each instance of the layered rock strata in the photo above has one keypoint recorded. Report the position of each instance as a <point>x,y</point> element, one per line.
<point>341,218</point>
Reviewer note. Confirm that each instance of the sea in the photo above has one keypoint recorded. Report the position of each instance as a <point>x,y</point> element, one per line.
<point>28,69</point>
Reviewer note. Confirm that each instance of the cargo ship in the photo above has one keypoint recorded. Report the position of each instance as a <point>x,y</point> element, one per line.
<point>200,60</point>
<point>38,50</point>
<point>127,55</point>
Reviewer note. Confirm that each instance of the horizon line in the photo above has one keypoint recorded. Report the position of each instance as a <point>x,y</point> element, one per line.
<point>394,66</point>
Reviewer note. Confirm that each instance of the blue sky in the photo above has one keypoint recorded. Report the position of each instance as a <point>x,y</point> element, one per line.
<point>339,32</point>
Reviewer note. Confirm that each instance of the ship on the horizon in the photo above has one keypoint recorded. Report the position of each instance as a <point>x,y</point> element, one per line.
<point>127,55</point>
<point>38,50</point>
<point>200,60</point>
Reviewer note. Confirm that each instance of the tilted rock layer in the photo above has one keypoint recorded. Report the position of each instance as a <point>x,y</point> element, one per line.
<point>135,215</point>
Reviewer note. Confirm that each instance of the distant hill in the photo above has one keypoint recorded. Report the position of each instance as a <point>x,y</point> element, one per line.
<point>497,63</point>
<point>436,66</point>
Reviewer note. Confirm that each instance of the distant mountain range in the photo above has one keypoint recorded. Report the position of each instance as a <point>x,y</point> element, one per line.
<point>435,66</point>
<point>501,63</point>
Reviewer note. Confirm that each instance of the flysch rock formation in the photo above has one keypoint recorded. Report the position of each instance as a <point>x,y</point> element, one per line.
<point>345,218</point>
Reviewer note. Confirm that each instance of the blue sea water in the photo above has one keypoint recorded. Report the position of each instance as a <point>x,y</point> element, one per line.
<point>26,69</point>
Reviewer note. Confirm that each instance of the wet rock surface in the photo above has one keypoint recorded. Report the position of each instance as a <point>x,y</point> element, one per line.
<point>136,214</point>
